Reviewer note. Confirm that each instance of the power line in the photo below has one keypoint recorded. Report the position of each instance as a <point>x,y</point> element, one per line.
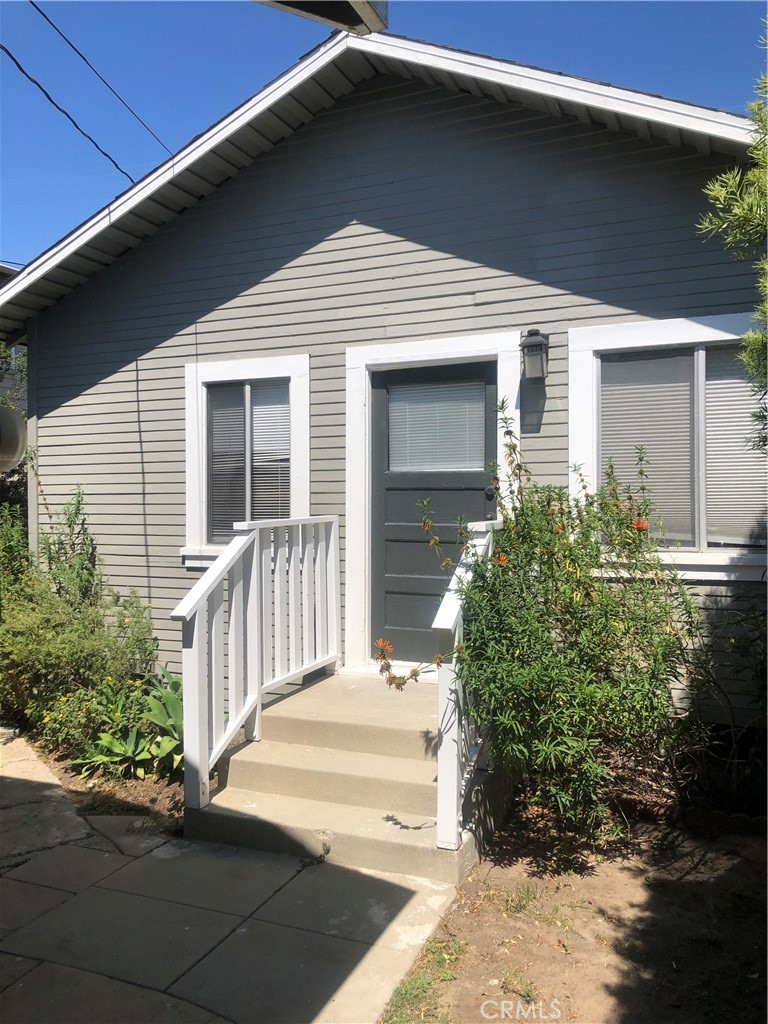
<point>69,117</point>
<point>101,78</point>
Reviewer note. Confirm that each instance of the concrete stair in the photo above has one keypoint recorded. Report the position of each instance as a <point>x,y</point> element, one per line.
<point>346,769</point>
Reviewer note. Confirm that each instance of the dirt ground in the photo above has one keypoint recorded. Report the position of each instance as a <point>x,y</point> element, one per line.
<point>161,800</point>
<point>665,926</point>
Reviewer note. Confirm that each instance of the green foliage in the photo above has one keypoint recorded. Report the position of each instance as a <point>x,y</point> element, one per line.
<point>125,754</point>
<point>15,562</point>
<point>62,628</point>
<point>582,650</point>
<point>738,212</point>
<point>74,718</point>
<point>68,554</point>
<point>575,634</point>
<point>166,714</point>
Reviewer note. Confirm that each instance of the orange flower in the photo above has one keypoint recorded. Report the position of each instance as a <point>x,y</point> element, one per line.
<point>500,558</point>
<point>639,524</point>
<point>384,646</point>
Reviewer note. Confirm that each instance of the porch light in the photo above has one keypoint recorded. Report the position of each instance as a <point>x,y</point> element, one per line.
<point>535,349</point>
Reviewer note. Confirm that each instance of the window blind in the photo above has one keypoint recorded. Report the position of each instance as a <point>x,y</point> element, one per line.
<point>648,400</point>
<point>226,460</point>
<point>437,426</point>
<point>270,450</point>
<point>736,475</point>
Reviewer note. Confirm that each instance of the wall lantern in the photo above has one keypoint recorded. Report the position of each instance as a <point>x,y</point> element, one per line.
<point>535,349</point>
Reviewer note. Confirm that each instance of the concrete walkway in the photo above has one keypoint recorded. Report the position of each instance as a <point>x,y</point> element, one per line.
<point>103,921</point>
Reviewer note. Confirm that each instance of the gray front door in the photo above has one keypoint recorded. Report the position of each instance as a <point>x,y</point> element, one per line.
<point>434,432</point>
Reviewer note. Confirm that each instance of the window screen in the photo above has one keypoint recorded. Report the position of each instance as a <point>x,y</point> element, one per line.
<point>648,400</point>
<point>240,450</point>
<point>437,426</point>
<point>735,475</point>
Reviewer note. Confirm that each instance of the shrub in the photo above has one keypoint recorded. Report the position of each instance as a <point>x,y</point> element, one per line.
<point>62,628</point>
<point>582,649</point>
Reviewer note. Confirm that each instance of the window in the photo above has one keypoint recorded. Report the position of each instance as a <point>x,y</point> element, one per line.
<point>676,388</point>
<point>247,446</point>
<point>437,426</point>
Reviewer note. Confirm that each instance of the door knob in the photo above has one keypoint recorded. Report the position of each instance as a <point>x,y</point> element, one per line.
<point>490,493</point>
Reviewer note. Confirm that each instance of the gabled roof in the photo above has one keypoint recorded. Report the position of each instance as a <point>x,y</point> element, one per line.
<point>320,78</point>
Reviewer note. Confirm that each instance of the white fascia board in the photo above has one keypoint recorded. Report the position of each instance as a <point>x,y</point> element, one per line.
<point>685,116</point>
<point>166,172</point>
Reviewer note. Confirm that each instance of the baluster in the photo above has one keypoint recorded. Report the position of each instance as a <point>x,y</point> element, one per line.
<point>216,663</point>
<point>236,640</point>
<point>281,603</point>
<point>268,591</point>
<point>448,836</point>
<point>194,667</point>
<point>308,593</point>
<point>321,591</point>
<point>334,590</point>
<point>294,597</point>
<point>254,662</point>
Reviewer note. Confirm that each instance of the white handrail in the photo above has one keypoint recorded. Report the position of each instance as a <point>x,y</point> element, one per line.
<point>457,739</point>
<point>264,614</point>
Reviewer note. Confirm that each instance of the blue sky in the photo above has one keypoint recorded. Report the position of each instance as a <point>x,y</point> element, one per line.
<point>182,65</point>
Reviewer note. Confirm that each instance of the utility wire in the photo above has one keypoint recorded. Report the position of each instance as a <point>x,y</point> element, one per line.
<point>101,78</point>
<point>69,117</point>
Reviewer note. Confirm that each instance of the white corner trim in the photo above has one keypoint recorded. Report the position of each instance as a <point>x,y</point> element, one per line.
<point>197,375</point>
<point>586,343</point>
<point>361,361</point>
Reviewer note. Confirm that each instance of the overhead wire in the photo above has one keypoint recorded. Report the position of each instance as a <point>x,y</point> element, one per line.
<point>4,49</point>
<point>101,78</point>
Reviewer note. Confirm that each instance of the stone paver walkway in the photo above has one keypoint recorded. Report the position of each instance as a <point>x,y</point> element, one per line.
<point>102,922</point>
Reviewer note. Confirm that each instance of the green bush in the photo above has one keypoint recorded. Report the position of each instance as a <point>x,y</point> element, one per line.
<point>582,650</point>
<point>62,628</point>
<point>577,636</point>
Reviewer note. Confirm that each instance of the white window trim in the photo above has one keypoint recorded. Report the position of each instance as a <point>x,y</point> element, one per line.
<point>585,345</point>
<point>361,361</point>
<point>198,552</point>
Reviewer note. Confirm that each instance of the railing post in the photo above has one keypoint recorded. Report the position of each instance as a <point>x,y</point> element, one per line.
<point>194,668</point>
<point>334,591</point>
<point>254,610</point>
<point>448,832</point>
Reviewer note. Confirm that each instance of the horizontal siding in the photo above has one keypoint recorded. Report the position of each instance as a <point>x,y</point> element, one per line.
<point>402,212</point>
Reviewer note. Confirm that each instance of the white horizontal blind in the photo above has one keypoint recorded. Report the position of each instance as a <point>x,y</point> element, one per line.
<point>270,450</point>
<point>647,399</point>
<point>736,475</point>
<point>226,460</point>
<point>437,426</point>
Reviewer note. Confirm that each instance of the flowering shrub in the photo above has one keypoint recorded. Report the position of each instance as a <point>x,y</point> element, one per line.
<point>577,636</point>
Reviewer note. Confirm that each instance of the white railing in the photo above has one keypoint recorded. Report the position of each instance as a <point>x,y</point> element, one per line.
<point>265,613</point>
<point>458,743</point>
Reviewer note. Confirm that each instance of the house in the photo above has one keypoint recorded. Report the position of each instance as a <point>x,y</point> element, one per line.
<point>310,312</point>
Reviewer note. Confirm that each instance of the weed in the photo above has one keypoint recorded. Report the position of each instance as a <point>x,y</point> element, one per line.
<point>416,998</point>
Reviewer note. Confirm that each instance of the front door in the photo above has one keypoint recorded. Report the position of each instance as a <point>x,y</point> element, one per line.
<point>433,434</point>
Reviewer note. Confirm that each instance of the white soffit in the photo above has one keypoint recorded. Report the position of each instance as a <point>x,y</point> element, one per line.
<point>320,78</point>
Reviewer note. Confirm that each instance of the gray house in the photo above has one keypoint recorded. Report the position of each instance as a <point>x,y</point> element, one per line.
<point>301,324</point>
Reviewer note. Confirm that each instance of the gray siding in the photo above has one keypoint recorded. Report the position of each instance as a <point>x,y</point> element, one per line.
<point>403,212</point>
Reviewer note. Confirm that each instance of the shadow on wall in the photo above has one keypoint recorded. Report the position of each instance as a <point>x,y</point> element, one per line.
<point>553,215</point>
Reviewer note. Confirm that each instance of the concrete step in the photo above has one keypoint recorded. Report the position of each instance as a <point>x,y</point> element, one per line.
<point>358,713</point>
<point>363,837</point>
<point>349,777</point>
